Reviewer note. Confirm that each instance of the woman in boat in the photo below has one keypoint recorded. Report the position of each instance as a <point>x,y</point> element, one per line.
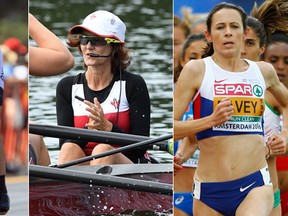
<point>192,49</point>
<point>114,99</point>
<point>232,176</point>
<point>50,57</point>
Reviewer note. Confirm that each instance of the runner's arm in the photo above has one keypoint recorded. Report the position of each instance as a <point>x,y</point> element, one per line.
<point>187,86</point>
<point>280,92</point>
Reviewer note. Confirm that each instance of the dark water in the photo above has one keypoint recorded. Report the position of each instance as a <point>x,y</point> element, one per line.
<point>149,30</point>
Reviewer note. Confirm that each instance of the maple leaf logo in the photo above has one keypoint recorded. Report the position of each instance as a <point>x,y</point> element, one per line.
<point>115,103</point>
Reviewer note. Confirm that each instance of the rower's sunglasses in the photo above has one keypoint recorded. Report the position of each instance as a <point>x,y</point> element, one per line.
<point>97,41</point>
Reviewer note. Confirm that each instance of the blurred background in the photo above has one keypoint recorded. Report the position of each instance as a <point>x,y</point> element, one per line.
<point>13,45</point>
<point>13,20</point>
<point>205,6</point>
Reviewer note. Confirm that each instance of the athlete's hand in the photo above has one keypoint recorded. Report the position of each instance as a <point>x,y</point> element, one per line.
<point>277,144</point>
<point>222,112</point>
<point>97,120</point>
<point>177,163</point>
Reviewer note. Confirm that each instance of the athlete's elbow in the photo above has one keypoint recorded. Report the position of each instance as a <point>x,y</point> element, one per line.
<point>69,63</point>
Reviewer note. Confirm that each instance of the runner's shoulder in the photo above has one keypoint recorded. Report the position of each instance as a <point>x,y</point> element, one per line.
<point>195,67</point>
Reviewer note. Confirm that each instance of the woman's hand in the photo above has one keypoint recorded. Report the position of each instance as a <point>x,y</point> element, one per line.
<point>277,144</point>
<point>97,120</point>
<point>178,160</point>
<point>222,112</point>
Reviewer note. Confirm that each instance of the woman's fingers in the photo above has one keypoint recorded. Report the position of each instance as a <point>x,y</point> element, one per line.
<point>222,112</point>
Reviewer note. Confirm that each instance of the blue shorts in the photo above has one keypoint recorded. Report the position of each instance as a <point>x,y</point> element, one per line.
<point>184,202</point>
<point>225,197</point>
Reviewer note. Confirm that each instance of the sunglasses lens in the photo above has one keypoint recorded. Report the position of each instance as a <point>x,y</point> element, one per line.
<point>83,41</point>
<point>95,41</point>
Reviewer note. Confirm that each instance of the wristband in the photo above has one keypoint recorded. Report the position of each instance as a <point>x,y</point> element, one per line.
<point>181,157</point>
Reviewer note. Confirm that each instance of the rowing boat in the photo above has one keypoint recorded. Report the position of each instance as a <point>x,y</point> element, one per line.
<point>100,190</point>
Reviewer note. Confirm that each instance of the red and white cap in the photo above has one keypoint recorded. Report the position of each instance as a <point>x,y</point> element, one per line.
<point>104,24</point>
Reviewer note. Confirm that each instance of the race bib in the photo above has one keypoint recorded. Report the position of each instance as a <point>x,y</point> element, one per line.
<point>248,102</point>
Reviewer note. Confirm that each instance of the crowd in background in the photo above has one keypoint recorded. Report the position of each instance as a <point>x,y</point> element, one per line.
<point>15,105</point>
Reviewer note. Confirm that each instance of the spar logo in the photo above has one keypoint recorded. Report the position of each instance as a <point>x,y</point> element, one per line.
<point>240,89</point>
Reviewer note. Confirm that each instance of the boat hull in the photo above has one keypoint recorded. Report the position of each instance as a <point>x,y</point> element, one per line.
<point>59,198</point>
<point>56,197</point>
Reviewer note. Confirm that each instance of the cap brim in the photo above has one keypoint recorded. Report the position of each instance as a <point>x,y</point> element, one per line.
<point>76,29</point>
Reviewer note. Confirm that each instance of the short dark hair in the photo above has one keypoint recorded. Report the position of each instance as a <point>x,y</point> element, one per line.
<point>259,30</point>
<point>223,5</point>
<point>277,37</point>
<point>190,39</point>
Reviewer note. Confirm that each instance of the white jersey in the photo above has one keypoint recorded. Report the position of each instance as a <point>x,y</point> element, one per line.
<point>271,121</point>
<point>246,92</point>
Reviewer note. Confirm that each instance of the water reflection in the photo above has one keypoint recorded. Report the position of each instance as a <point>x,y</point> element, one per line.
<point>149,30</point>
<point>81,199</point>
